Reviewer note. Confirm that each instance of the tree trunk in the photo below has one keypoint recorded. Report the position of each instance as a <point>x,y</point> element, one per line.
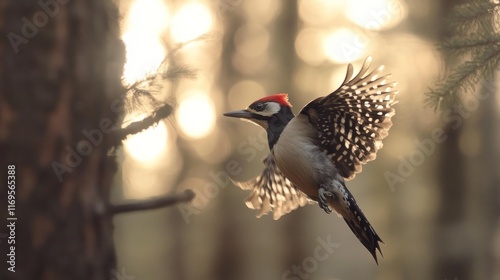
<point>451,261</point>
<point>484,182</point>
<point>468,185</point>
<point>60,98</point>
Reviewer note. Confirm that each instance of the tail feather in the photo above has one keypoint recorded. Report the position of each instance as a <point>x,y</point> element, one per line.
<point>366,235</point>
<point>358,223</point>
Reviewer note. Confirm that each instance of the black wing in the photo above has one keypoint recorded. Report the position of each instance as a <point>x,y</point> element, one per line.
<point>272,191</point>
<point>352,121</point>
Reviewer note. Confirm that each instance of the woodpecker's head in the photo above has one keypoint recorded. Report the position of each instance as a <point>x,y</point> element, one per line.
<point>268,112</point>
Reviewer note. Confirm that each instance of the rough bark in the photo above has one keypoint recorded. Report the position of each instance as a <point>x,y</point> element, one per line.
<point>59,98</point>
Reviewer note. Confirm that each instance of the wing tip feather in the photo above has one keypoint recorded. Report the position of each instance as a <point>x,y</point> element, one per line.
<point>271,191</point>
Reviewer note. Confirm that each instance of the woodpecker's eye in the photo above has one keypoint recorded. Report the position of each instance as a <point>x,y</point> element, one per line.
<point>260,106</point>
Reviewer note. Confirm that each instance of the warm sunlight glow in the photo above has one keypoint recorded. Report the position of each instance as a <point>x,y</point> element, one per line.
<point>321,12</point>
<point>149,145</point>
<point>142,181</point>
<point>143,29</point>
<point>190,21</point>
<point>243,93</point>
<point>344,45</point>
<point>196,115</point>
<point>308,46</point>
<point>376,14</point>
<point>251,40</point>
<point>143,57</point>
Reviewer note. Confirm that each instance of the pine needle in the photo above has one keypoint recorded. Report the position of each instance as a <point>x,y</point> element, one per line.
<point>475,45</point>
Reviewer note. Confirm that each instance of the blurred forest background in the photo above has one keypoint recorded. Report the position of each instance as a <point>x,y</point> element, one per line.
<point>432,194</point>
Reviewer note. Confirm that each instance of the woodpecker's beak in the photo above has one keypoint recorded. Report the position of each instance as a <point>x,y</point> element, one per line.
<point>243,114</point>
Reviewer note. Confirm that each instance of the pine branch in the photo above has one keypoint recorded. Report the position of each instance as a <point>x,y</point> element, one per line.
<point>472,10</point>
<point>150,204</point>
<point>169,60</point>
<point>464,78</point>
<point>159,114</point>
<point>476,39</point>
<point>144,90</point>
<point>470,44</point>
<point>473,17</point>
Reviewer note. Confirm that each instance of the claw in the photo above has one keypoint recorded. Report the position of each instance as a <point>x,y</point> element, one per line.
<point>323,203</point>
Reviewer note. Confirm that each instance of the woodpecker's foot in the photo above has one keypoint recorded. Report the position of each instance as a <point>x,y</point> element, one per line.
<point>323,202</point>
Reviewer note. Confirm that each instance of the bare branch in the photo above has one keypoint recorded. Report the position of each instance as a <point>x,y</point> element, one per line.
<point>159,114</point>
<point>150,204</point>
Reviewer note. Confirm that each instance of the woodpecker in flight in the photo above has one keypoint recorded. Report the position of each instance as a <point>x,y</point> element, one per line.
<point>313,153</point>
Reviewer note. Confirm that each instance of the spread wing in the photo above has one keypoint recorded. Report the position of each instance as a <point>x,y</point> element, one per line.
<point>272,191</point>
<point>353,120</point>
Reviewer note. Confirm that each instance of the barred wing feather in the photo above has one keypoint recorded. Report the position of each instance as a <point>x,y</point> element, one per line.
<point>353,120</point>
<point>272,191</point>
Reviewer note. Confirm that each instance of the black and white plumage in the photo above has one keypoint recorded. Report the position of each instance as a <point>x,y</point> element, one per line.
<point>313,153</point>
<point>272,191</point>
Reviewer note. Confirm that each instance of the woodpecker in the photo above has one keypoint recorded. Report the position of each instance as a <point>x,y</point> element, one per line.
<point>314,153</point>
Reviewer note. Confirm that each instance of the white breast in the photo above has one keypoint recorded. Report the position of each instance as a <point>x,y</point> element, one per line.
<point>297,157</point>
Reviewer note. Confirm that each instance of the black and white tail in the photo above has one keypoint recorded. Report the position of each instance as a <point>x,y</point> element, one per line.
<point>357,222</point>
